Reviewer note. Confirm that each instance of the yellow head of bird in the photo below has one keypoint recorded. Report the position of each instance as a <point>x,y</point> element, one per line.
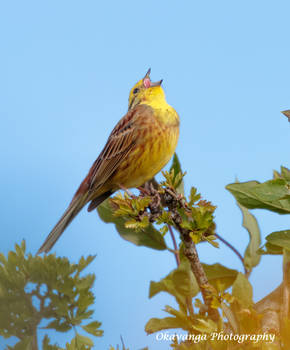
<point>145,91</point>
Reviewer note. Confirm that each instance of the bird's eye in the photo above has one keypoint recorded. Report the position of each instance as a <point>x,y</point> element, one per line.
<point>135,91</point>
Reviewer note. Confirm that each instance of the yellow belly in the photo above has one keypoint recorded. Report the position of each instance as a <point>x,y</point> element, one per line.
<point>147,158</point>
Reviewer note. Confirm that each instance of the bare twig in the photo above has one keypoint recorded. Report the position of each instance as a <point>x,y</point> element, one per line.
<point>176,251</point>
<point>233,249</point>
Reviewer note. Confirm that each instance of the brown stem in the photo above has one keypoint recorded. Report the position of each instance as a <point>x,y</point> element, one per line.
<point>34,341</point>
<point>176,251</point>
<point>173,202</point>
<point>177,258</point>
<point>191,253</point>
<point>233,249</point>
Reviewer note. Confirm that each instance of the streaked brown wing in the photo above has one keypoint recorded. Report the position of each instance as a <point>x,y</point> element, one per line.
<point>121,141</point>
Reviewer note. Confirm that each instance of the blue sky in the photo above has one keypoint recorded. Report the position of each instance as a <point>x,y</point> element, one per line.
<point>65,73</point>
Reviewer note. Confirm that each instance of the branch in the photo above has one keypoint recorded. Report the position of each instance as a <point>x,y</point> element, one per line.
<point>191,253</point>
<point>173,201</point>
<point>34,342</point>
<point>176,251</point>
<point>233,249</point>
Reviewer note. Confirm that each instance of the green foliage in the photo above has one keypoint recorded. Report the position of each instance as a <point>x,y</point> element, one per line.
<point>219,276</point>
<point>273,195</point>
<point>200,221</point>
<point>180,283</point>
<point>276,242</point>
<point>236,306</point>
<point>251,257</point>
<point>146,236</point>
<point>178,182</point>
<point>243,291</point>
<point>79,342</point>
<point>230,291</point>
<point>34,288</point>
<point>179,319</point>
<point>284,174</point>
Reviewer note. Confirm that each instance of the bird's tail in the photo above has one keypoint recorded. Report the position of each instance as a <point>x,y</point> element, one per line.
<point>74,208</point>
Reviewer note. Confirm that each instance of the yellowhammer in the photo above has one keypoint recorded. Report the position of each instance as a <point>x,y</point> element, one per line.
<point>139,146</point>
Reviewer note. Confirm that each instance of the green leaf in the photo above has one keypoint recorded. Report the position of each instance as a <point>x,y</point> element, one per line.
<point>159,324</point>
<point>243,291</point>
<point>3,259</point>
<point>285,173</point>
<point>276,242</point>
<point>84,262</point>
<point>82,340</point>
<point>24,278</point>
<point>180,283</point>
<point>221,277</point>
<point>47,346</point>
<point>58,326</point>
<point>230,317</point>
<point>23,246</point>
<point>280,239</point>
<point>147,237</point>
<point>204,325</point>
<point>86,282</point>
<point>92,328</point>
<point>251,257</point>
<point>176,166</point>
<point>273,195</point>
<point>24,344</point>
<point>270,249</point>
<point>19,251</point>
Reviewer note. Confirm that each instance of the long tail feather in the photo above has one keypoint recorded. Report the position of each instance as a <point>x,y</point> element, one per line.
<point>71,212</point>
<point>97,201</point>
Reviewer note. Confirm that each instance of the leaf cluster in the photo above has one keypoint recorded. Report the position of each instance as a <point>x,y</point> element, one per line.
<point>133,216</point>
<point>34,288</point>
<point>273,195</point>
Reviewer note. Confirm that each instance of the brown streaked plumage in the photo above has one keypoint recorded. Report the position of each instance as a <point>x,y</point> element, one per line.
<point>139,146</point>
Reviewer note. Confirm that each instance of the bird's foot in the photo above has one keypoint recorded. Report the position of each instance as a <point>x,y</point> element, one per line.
<point>129,193</point>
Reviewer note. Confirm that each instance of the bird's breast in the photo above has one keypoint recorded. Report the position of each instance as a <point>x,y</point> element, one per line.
<point>154,148</point>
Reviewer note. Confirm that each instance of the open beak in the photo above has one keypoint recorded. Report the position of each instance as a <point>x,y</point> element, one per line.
<point>148,83</point>
<point>158,83</point>
<point>147,75</point>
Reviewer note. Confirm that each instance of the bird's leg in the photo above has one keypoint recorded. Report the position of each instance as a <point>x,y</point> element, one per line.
<point>149,188</point>
<point>129,193</point>
<point>144,189</point>
<point>155,194</point>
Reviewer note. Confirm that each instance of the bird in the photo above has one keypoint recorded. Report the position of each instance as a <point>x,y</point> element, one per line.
<point>139,146</point>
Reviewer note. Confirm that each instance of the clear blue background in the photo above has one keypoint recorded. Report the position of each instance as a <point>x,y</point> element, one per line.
<point>66,68</point>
